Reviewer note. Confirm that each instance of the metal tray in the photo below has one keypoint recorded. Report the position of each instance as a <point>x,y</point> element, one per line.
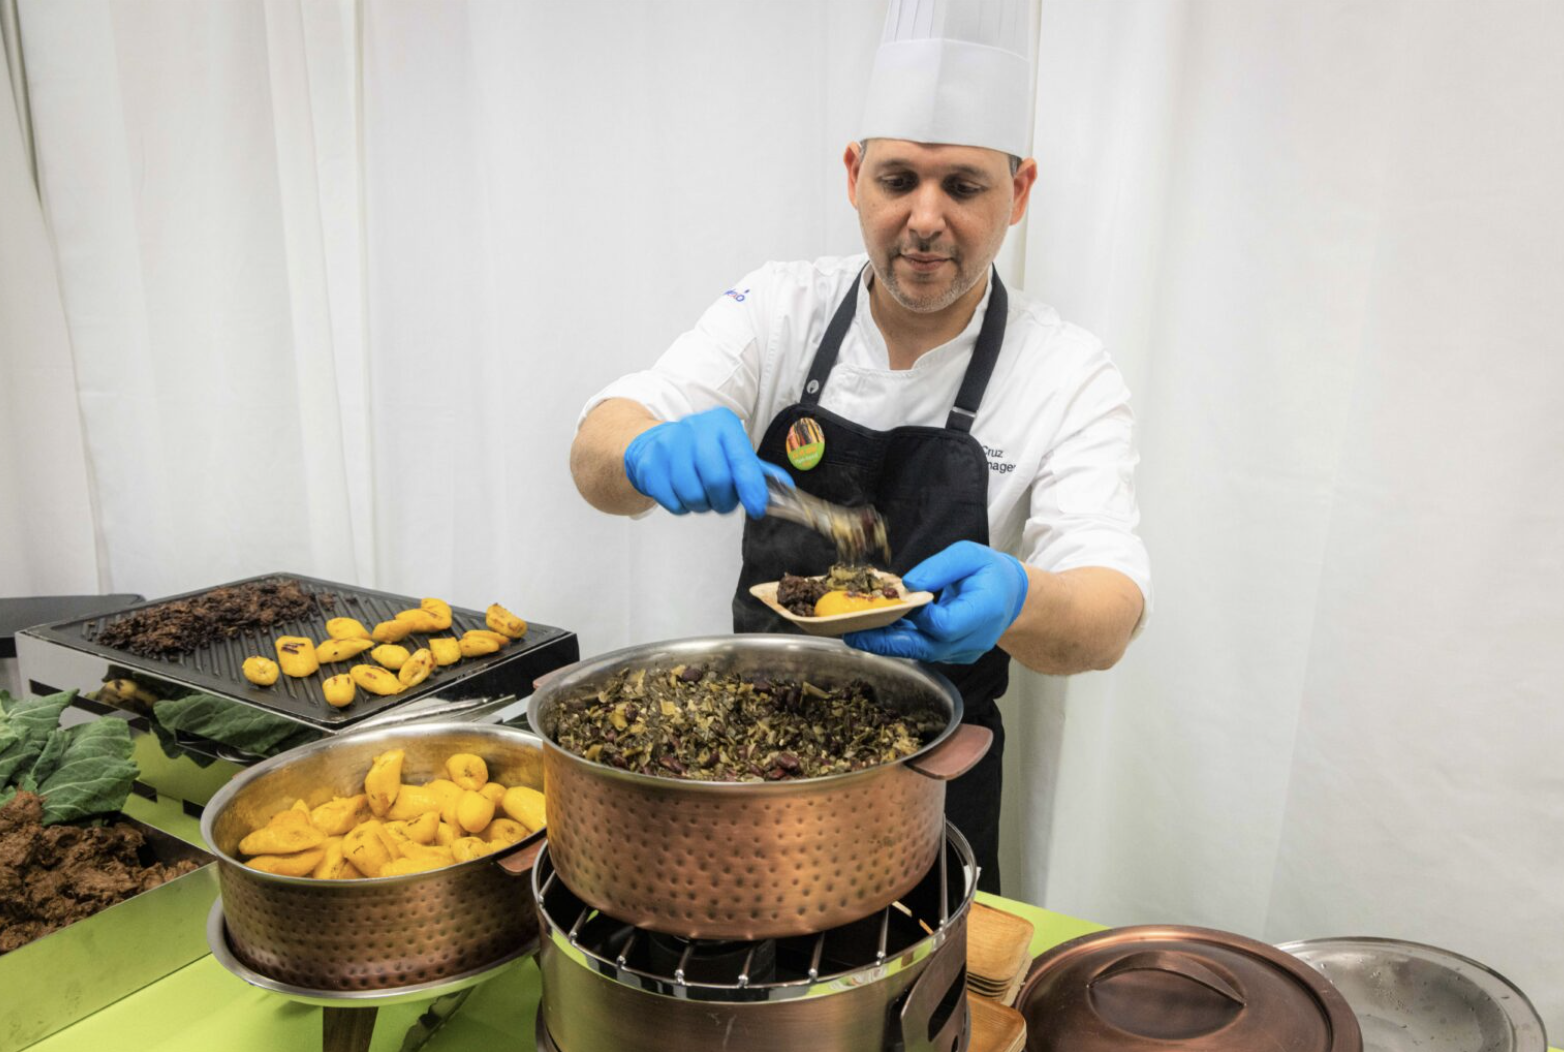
<point>61,652</point>
<point>69,974</point>
<point>1414,998</point>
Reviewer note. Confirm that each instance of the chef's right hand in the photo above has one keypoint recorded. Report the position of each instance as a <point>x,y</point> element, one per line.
<point>703,462</point>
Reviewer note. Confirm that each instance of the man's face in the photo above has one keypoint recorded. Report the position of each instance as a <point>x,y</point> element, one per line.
<point>933,217</point>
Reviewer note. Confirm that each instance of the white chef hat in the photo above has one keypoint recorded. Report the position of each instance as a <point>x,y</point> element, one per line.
<point>954,72</point>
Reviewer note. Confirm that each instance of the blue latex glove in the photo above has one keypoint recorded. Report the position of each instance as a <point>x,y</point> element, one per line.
<point>980,594</point>
<point>703,462</point>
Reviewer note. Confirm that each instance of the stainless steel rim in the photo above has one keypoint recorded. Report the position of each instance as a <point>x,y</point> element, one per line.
<point>699,647</point>
<point>1515,1004</point>
<point>217,939</point>
<point>225,796</point>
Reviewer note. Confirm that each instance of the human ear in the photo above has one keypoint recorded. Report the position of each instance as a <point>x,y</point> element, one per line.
<point>853,159</point>
<point>1021,189</point>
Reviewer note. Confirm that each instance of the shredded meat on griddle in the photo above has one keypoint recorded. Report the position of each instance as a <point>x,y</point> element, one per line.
<point>183,625</point>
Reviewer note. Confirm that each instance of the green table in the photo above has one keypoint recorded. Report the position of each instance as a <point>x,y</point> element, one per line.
<point>202,1007</point>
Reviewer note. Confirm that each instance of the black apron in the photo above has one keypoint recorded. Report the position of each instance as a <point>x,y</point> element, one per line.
<point>931,484</point>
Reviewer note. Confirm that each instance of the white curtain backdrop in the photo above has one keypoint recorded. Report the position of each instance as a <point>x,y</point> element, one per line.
<point>1326,244</point>
<point>46,515</point>
<point>338,276</point>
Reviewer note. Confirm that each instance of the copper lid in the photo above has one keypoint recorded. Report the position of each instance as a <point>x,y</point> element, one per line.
<point>1164,989</point>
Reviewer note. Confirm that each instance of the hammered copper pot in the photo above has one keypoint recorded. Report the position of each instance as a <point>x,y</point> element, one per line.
<point>348,935</point>
<point>752,860</point>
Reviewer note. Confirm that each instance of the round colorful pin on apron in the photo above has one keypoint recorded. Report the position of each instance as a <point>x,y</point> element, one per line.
<point>805,443</point>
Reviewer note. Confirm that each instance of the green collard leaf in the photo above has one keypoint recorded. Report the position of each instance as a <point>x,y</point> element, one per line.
<point>174,751</point>
<point>229,722</point>
<point>28,723</point>
<point>49,757</point>
<point>18,759</point>
<point>94,773</point>
<point>36,718</point>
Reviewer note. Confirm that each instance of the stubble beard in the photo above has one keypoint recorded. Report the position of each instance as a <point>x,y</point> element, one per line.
<point>929,303</point>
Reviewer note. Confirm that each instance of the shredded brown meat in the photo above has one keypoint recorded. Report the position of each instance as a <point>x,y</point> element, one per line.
<point>51,876</point>
<point>183,625</point>
<point>799,595</point>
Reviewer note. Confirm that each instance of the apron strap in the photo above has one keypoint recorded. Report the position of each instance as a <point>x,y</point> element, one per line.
<point>830,344</point>
<point>991,338</point>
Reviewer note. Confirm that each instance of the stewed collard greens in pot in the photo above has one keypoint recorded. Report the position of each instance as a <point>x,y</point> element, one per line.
<point>696,723</point>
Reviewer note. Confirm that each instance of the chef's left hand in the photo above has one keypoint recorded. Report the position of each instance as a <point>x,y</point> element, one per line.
<point>980,594</point>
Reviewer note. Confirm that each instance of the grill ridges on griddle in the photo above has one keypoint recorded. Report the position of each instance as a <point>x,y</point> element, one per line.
<point>220,664</point>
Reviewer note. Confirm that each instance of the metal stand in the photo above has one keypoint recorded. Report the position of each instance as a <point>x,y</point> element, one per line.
<point>352,1029</point>
<point>347,1029</point>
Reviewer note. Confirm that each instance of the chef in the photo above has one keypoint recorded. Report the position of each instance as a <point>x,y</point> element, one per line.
<point>995,438</point>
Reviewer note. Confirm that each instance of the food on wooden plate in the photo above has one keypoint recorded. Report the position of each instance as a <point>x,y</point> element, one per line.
<point>837,602</point>
<point>690,722</point>
<point>263,672</point>
<point>844,590</point>
<point>392,829</point>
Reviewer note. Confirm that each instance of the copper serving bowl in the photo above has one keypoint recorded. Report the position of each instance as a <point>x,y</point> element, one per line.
<point>387,932</point>
<point>752,860</point>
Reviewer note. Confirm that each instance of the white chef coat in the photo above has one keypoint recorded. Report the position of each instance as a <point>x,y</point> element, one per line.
<point>1055,420</point>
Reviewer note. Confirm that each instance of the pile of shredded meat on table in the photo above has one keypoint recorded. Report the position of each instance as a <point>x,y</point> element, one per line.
<point>51,876</point>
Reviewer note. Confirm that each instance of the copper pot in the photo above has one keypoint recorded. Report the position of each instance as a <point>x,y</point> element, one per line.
<point>752,860</point>
<point>348,935</point>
